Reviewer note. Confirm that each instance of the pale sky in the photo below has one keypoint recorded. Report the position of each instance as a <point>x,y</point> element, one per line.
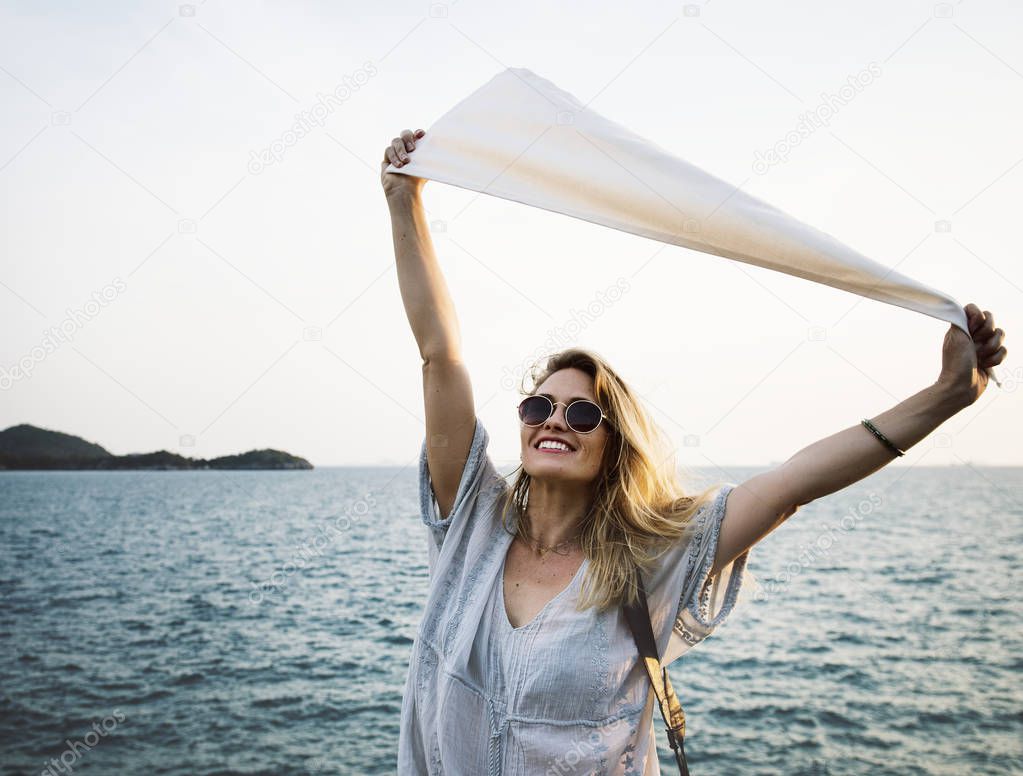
<point>248,308</point>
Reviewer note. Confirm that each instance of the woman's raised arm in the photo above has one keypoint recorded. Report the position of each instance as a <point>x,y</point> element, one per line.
<point>447,389</point>
<point>758,505</point>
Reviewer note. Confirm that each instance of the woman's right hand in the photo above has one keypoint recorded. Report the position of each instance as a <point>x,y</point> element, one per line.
<point>397,153</point>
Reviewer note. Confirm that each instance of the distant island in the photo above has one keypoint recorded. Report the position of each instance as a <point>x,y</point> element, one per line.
<point>30,447</point>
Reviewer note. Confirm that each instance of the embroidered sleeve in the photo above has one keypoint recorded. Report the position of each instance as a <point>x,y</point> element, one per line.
<point>704,602</point>
<point>479,471</point>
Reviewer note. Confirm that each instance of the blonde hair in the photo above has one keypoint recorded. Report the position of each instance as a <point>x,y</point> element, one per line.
<point>640,507</point>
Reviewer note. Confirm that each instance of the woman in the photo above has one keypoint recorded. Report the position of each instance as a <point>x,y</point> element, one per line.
<point>523,662</point>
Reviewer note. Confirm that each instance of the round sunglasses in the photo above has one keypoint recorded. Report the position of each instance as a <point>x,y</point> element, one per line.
<point>582,415</point>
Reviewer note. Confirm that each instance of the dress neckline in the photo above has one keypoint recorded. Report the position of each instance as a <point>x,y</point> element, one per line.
<point>505,622</point>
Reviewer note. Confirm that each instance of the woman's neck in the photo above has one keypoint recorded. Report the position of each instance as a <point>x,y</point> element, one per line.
<point>556,511</point>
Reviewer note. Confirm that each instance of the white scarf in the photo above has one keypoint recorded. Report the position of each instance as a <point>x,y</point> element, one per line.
<point>522,138</point>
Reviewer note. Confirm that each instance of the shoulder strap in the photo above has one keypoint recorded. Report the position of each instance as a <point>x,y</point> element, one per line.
<point>638,616</point>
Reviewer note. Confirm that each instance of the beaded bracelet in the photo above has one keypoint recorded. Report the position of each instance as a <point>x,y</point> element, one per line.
<point>887,442</point>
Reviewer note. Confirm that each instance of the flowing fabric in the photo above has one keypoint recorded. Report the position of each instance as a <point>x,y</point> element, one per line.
<point>520,137</point>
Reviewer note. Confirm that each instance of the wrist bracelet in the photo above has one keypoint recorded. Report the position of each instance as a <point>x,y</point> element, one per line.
<point>887,442</point>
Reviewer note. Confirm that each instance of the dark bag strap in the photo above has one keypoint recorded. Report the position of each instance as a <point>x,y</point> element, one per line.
<point>638,616</point>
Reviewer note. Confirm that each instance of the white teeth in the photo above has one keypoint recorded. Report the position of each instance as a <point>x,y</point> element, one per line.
<point>549,445</point>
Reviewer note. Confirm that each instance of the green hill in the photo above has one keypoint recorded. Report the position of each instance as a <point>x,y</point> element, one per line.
<point>28,447</point>
<point>31,440</point>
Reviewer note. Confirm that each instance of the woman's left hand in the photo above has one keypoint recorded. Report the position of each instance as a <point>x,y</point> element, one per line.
<point>964,359</point>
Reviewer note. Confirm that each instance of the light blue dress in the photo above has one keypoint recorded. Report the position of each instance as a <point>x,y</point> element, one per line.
<point>563,693</point>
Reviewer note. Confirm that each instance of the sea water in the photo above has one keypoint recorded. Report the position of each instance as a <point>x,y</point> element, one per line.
<point>204,622</point>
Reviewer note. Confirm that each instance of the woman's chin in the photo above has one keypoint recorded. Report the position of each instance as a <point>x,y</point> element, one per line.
<point>540,464</point>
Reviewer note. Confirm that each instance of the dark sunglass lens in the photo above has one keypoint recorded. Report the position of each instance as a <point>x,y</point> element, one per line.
<point>534,410</point>
<point>583,416</point>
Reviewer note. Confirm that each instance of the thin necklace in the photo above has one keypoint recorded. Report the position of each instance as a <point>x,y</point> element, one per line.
<point>545,548</point>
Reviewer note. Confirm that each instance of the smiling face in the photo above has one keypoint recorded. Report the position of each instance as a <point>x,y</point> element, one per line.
<point>582,461</point>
